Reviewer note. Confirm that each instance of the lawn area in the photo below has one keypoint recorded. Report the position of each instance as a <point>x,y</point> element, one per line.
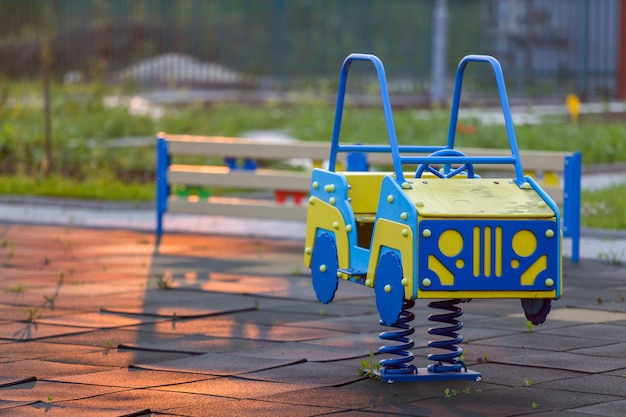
<point>84,165</point>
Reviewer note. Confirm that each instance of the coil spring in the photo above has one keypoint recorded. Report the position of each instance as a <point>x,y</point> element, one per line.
<point>450,359</point>
<point>399,365</point>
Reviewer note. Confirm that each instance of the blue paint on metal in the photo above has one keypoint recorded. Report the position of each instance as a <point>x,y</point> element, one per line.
<point>162,187</point>
<point>388,287</point>
<point>571,202</point>
<point>324,267</point>
<point>461,266</point>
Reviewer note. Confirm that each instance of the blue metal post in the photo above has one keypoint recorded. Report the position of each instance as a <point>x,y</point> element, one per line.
<point>572,201</point>
<point>162,189</point>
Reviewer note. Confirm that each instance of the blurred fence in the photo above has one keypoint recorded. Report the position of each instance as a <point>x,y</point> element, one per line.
<point>547,47</point>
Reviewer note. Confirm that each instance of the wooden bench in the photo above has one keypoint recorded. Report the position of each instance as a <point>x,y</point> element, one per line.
<point>557,172</point>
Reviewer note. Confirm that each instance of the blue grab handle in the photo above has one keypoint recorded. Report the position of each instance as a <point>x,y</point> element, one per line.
<point>504,102</point>
<point>335,147</point>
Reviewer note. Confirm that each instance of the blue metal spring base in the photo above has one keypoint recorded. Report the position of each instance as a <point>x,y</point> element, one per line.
<point>448,366</point>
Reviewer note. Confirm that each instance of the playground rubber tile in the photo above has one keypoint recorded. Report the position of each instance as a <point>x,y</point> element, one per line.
<point>12,405</point>
<point>611,332</point>
<point>6,381</point>
<point>154,400</point>
<point>545,340</point>
<point>46,309</point>
<point>233,387</point>
<point>354,324</point>
<point>45,369</point>
<point>473,333</point>
<point>33,331</point>
<point>68,410</point>
<point>564,360</point>
<point>194,299</point>
<point>365,307</point>
<point>493,403</point>
<point>93,302</point>
<point>514,376</point>
<point>105,337</point>
<point>614,350</point>
<point>196,344</point>
<point>253,408</point>
<point>230,328</point>
<point>364,341</point>
<point>56,390</point>
<point>579,315</point>
<point>335,397</point>
<point>131,378</point>
<point>609,409</point>
<point>293,350</point>
<point>115,358</point>
<point>99,320</point>
<point>269,317</point>
<point>592,384</point>
<point>16,351</point>
<point>315,374</point>
<point>218,364</point>
<point>169,312</point>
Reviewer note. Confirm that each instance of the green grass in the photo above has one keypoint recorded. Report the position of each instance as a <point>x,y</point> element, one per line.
<point>102,188</point>
<point>604,208</point>
<point>83,166</point>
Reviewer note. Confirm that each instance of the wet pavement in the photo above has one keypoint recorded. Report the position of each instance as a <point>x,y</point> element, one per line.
<point>103,321</point>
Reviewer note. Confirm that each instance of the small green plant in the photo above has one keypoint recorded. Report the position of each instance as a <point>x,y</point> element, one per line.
<point>108,345</point>
<point>466,390</point>
<point>528,382</point>
<point>449,392</point>
<point>612,257</point>
<point>61,277</point>
<point>484,358</point>
<point>164,283</point>
<point>50,399</point>
<point>529,326</point>
<point>370,368</point>
<point>600,300</point>
<point>535,406</point>
<point>17,288</point>
<point>51,298</point>
<point>33,314</point>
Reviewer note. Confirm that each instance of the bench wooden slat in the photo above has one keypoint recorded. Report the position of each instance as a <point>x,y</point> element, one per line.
<point>214,176</point>
<point>238,208</point>
<point>246,148</point>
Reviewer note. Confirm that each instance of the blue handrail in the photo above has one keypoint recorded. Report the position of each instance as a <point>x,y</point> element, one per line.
<point>394,149</point>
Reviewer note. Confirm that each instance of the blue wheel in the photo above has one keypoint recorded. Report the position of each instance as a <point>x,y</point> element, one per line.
<point>389,289</point>
<point>536,309</point>
<point>324,267</point>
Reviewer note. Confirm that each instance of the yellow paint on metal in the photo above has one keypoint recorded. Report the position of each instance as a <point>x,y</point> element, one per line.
<point>529,276</point>
<point>476,254</point>
<point>387,234</point>
<point>487,251</point>
<point>524,243</point>
<point>450,243</point>
<point>498,260</point>
<point>484,294</point>
<point>364,190</point>
<point>478,198</point>
<point>322,215</point>
<point>445,276</point>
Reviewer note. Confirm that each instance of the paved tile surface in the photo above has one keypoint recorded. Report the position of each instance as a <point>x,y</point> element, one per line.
<point>105,322</point>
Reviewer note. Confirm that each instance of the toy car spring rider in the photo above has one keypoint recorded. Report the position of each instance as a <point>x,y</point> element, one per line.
<point>444,234</point>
